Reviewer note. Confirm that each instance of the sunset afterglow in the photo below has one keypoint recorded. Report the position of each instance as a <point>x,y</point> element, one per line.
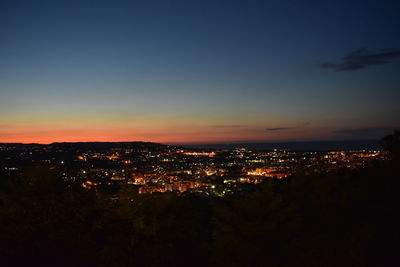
<point>195,73</point>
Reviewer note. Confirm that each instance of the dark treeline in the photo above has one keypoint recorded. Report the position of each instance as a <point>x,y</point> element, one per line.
<point>340,219</point>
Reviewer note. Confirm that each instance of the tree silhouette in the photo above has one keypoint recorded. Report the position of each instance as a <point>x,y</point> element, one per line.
<point>391,143</point>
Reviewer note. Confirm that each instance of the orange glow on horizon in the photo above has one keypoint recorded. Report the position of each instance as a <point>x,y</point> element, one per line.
<point>168,129</point>
<point>161,136</point>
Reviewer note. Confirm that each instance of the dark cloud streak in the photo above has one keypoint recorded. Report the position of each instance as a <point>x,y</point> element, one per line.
<point>277,129</point>
<point>227,126</point>
<point>362,58</point>
<point>361,131</point>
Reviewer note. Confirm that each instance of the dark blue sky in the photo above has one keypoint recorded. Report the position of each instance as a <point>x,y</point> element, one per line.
<point>198,71</point>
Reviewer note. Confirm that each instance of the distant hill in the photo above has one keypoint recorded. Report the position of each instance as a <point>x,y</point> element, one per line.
<point>92,145</point>
<point>294,146</point>
<point>108,145</point>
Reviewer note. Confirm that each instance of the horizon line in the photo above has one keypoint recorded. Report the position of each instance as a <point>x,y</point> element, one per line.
<point>199,143</point>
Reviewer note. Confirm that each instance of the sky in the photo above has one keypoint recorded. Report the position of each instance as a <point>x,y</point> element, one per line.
<point>198,71</point>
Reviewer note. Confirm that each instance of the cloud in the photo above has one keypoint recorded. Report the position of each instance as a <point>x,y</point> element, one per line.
<point>227,126</point>
<point>362,58</point>
<point>277,129</point>
<point>363,131</point>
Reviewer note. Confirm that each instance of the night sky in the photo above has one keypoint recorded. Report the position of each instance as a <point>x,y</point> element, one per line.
<point>198,71</point>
